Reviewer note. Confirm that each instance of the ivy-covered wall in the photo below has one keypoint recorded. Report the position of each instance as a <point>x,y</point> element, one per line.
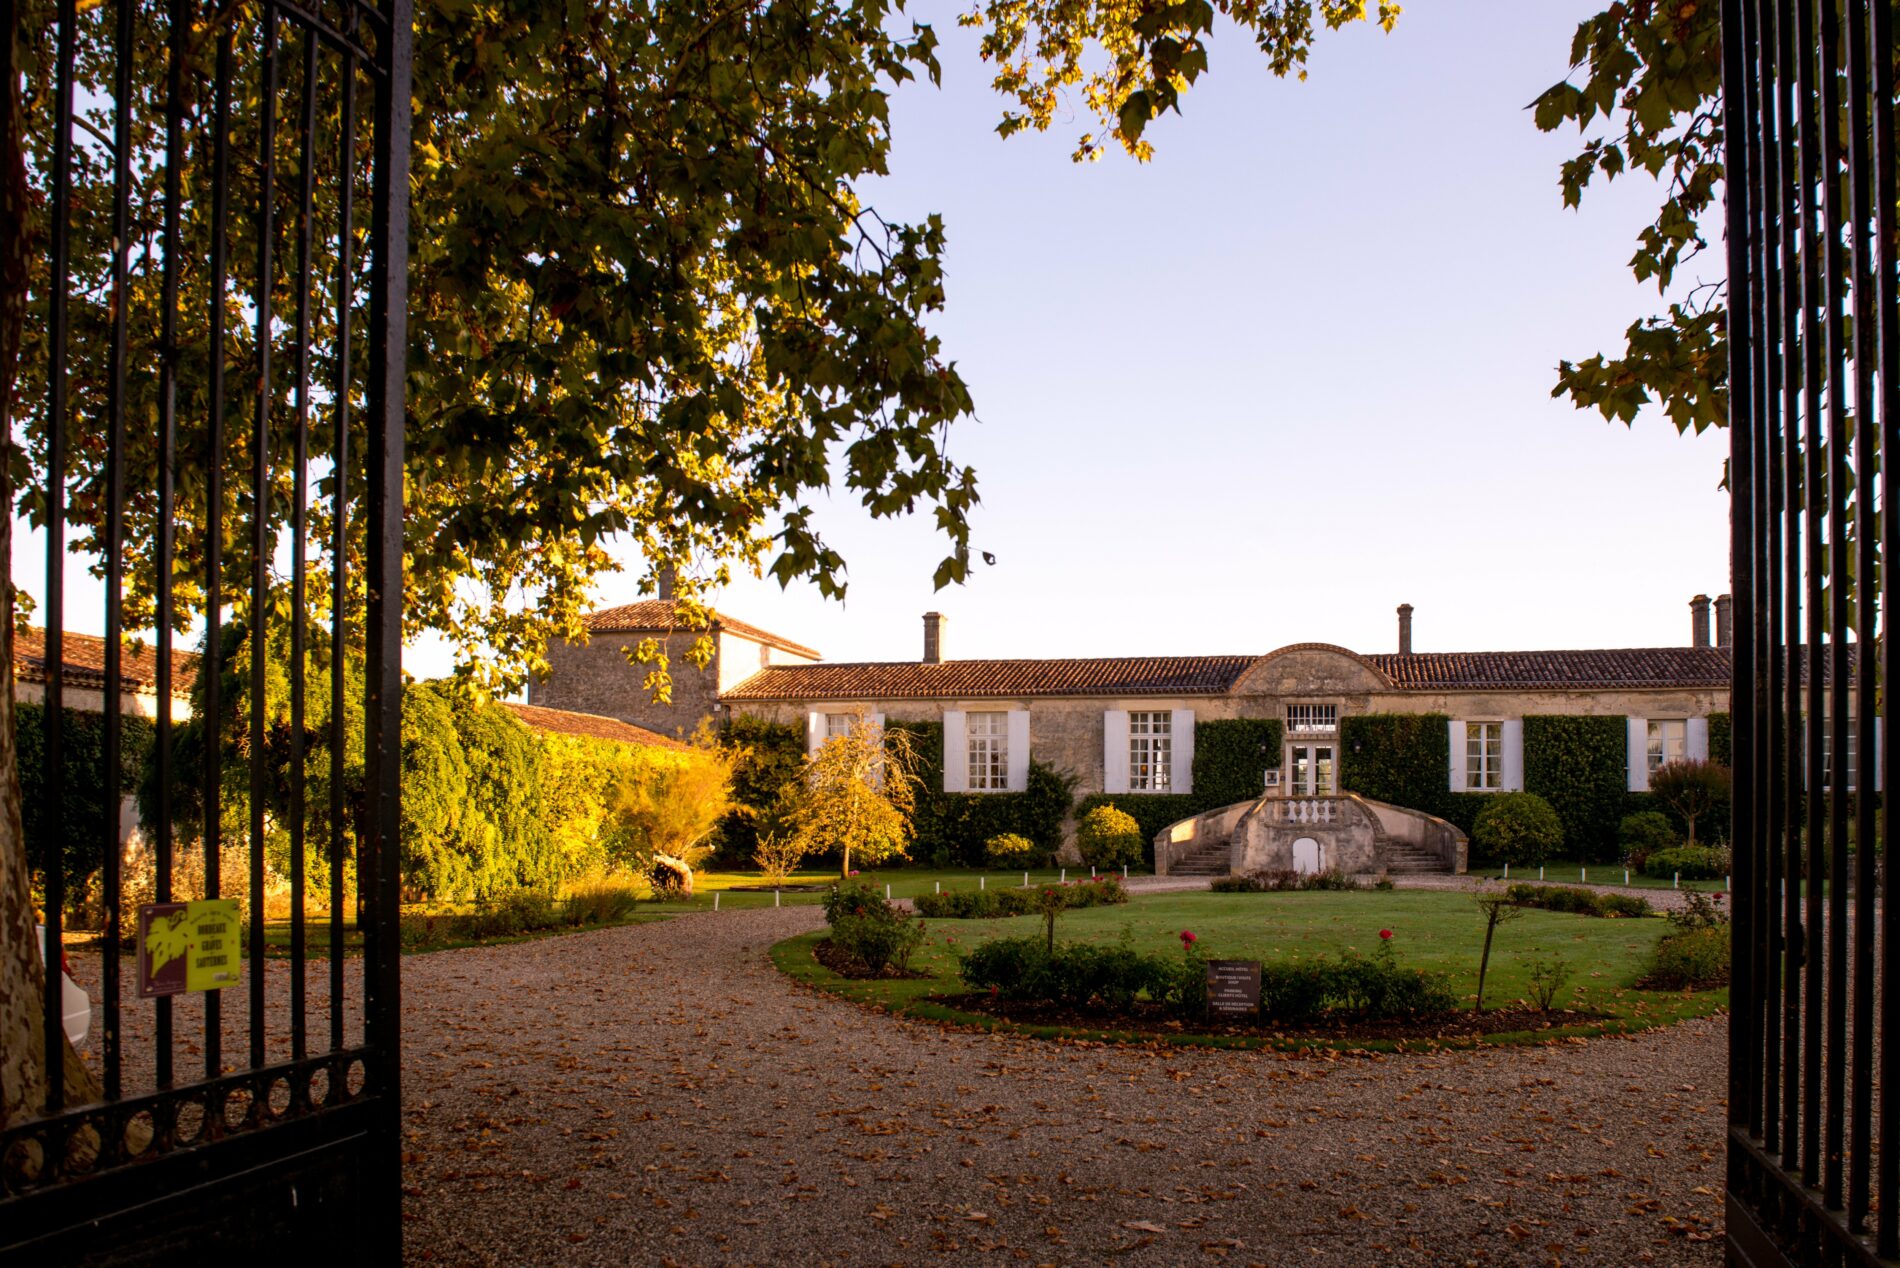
<point>1231,756</point>
<point>1401,758</point>
<point>953,827</point>
<point>78,805</point>
<point>1722,738</point>
<point>1580,766</point>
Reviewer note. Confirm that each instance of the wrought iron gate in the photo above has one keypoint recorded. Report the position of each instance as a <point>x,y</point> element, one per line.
<point>1814,1156</point>
<point>212,412</point>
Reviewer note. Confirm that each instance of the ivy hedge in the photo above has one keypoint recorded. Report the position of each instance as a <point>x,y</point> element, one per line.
<point>1579,765</point>
<point>1401,758</point>
<point>78,806</point>
<point>1231,756</point>
<point>952,828</point>
<point>771,754</point>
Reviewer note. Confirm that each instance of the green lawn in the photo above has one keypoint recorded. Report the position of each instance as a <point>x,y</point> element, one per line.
<point>1433,930</point>
<point>731,890</point>
<point>1571,871</point>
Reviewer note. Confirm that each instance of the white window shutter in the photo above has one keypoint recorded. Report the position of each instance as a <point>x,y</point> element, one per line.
<point>1018,750</point>
<point>956,752</point>
<point>1638,748</point>
<point>814,733</point>
<point>1696,740</point>
<point>1181,740</point>
<point>1458,754</point>
<point>1115,751</point>
<point>877,721</point>
<point>1513,773</point>
<point>1879,754</point>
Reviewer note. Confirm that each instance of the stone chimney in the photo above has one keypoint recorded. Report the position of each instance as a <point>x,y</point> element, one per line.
<point>668,580</point>
<point>1405,629</point>
<point>1699,621</point>
<point>933,638</point>
<point>1724,621</point>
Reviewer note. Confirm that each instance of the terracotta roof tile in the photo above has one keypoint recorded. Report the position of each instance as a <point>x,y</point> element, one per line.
<point>957,679</point>
<point>84,656</point>
<point>660,616</point>
<point>589,726</point>
<point>1607,669</point>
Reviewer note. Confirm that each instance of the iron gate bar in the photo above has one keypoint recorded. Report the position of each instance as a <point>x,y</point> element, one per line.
<point>1888,271</point>
<point>1859,1137</point>
<point>259,632</point>
<point>1776,472</point>
<point>152,1165</point>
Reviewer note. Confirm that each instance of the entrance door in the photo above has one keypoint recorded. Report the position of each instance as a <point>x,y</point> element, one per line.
<point>1306,856</point>
<point>1311,768</point>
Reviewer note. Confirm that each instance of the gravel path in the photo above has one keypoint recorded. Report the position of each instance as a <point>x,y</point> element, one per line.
<point>659,1094</point>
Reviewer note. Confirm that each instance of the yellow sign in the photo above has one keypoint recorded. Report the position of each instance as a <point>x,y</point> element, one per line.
<point>190,946</point>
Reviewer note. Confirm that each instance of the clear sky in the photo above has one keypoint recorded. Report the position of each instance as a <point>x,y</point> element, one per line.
<point>1290,374</point>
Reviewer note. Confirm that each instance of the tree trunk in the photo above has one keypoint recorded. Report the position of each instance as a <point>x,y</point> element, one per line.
<point>22,980</point>
<point>1484,958</point>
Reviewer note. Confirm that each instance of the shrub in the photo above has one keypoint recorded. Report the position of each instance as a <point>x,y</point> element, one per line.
<point>509,913</point>
<point>849,898</point>
<point>1108,837</point>
<point>672,880</point>
<point>1518,828</point>
<point>1692,789</point>
<point>1694,862</point>
<point>777,854</point>
<point>876,940</point>
<point>1011,850</point>
<point>599,900</point>
<point>1275,880</point>
<point>1547,977</point>
<point>1582,902</point>
<point>1012,967</point>
<point>1694,960</point>
<point>1643,833</point>
<point>1699,911</point>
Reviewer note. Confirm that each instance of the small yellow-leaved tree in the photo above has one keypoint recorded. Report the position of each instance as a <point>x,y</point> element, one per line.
<point>857,795</point>
<point>665,814</point>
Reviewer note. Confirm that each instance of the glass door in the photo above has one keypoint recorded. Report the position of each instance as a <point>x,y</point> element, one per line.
<point>1310,768</point>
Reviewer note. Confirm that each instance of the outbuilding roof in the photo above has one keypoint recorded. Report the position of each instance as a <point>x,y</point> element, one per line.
<point>84,659</point>
<point>591,726</point>
<point>974,679</point>
<point>661,616</point>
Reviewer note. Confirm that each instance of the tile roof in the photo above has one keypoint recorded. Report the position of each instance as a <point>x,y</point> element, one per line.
<point>915,680</point>
<point>661,616</point>
<point>1607,669</point>
<point>589,726</point>
<point>84,656</point>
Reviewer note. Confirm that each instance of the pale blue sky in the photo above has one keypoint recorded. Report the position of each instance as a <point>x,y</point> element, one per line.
<point>1293,372</point>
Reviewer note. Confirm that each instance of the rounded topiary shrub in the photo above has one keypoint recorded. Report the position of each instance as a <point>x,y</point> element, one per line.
<point>1518,828</point>
<point>1010,850</point>
<point>1108,837</point>
<point>1643,833</point>
<point>1691,862</point>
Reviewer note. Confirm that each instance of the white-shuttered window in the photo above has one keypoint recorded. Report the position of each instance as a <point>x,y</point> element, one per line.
<point>1484,756</point>
<point>989,751</point>
<point>1668,741</point>
<point>1827,755</point>
<point>1150,751</point>
<point>839,723</point>
<point>1312,719</point>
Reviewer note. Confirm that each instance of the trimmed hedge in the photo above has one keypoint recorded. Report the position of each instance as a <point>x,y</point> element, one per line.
<point>1404,759</point>
<point>1578,765</point>
<point>78,807</point>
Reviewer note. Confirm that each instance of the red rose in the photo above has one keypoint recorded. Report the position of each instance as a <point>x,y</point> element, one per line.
<point>1386,934</point>
<point>1188,938</point>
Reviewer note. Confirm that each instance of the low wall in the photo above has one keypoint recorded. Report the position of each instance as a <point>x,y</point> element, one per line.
<point>1427,832</point>
<point>1179,838</point>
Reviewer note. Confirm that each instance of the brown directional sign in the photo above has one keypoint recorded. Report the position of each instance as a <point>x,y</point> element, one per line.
<point>1233,987</point>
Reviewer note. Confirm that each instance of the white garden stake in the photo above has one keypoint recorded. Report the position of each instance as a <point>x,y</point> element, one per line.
<point>715,900</point>
<point>1091,871</point>
<point>1540,871</point>
<point>1025,880</point>
<point>1626,878</point>
<point>1507,871</point>
<point>1583,876</point>
<point>1124,871</point>
<point>1065,876</point>
<point>982,882</point>
<point>887,893</point>
<point>775,898</point>
<point>939,886</point>
<point>1725,881</point>
<point>1677,884</point>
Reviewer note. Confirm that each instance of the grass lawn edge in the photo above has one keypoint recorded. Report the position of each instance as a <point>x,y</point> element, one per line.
<point>793,957</point>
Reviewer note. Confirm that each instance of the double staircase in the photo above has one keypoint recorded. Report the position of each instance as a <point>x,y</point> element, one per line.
<point>1211,859</point>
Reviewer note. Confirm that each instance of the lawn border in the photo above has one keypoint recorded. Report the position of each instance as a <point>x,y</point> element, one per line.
<point>793,957</point>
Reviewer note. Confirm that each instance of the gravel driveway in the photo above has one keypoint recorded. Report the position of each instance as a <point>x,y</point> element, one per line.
<point>658,1094</point>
